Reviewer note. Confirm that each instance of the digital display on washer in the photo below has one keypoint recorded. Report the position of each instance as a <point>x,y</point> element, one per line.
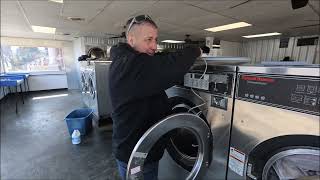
<point>288,92</point>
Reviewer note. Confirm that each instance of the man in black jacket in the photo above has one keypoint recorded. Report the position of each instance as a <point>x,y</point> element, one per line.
<point>138,78</point>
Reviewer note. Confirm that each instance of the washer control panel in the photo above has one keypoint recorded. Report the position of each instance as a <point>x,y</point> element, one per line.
<point>212,83</point>
<point>195,80</point>
<point>289,92</point>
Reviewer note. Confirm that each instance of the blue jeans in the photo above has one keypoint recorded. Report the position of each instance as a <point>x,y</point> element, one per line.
<point>150,171</point>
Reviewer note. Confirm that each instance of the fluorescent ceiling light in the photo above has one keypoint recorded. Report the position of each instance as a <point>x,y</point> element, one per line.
<point>215,45</point>
<point>262,35</point>
<point>228,26</point>
<point>52,96</point>
<point>159,47</point>
<point>57,1</point>
<point>43,29</point>
<point>172,41</point>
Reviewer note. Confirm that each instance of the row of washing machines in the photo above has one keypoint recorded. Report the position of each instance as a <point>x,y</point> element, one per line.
<point>239,122</point>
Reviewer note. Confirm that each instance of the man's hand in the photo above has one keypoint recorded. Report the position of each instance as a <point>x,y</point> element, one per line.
<point>205,49</point>
<point>83,58</point>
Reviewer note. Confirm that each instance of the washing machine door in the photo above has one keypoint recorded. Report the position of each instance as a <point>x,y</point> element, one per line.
<point>182,147</point>
<point>91,85</point>
<point>186,121</point>
<point>83,83</point>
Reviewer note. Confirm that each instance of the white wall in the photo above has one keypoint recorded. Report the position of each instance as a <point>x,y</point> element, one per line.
<point>48,81</point>
<point>71,63</point>
<point>78,50</point>
<point>268,49</point>
<point>230,48</point>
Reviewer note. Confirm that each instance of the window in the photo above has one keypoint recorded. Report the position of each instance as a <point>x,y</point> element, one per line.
<point>31,59</point>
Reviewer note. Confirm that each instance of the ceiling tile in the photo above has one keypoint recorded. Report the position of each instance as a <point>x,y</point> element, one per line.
<point>265,12</point>
<point>49,12</point>
<point>207,21</point>
<point>114,17</point>
<point>173,11</point>
<point>83,9</point>
<point>315,4</point>
<point>217,5</point>
<point>12,18</point>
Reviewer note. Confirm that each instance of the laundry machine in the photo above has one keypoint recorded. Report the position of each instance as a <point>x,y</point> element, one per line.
<point>94,89</point>
<point>198,130</point>
<point>100,76</point>
<point>276,124</point>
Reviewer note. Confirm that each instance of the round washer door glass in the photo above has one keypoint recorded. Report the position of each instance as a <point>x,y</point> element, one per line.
<point>186,121</point>
<point>296,163</point>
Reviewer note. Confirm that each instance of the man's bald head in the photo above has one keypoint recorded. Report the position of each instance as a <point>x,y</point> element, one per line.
<point>136,21</point>
<point>136,28</point>
<point>142,35</point>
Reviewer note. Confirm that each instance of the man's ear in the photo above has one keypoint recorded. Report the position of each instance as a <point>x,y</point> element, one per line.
<point>130,39</point>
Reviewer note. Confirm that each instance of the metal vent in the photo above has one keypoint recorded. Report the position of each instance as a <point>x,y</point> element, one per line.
<point>307,41</point>
<point>76,19</point>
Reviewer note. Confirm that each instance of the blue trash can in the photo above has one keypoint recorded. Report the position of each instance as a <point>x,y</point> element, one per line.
<point>80,119</point>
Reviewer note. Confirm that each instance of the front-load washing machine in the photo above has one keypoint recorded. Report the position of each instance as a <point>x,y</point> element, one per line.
<point>276,124</point>
<point>94,88</point>
<point>199,129</point>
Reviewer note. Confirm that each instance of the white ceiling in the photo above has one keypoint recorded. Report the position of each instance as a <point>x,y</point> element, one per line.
<point>174,18</point>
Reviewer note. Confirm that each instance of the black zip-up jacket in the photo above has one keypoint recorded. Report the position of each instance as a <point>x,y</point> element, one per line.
<point>137,82</point>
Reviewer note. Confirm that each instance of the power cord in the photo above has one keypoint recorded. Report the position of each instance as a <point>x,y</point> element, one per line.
<point>205,70</point>
<point>202,77</point>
